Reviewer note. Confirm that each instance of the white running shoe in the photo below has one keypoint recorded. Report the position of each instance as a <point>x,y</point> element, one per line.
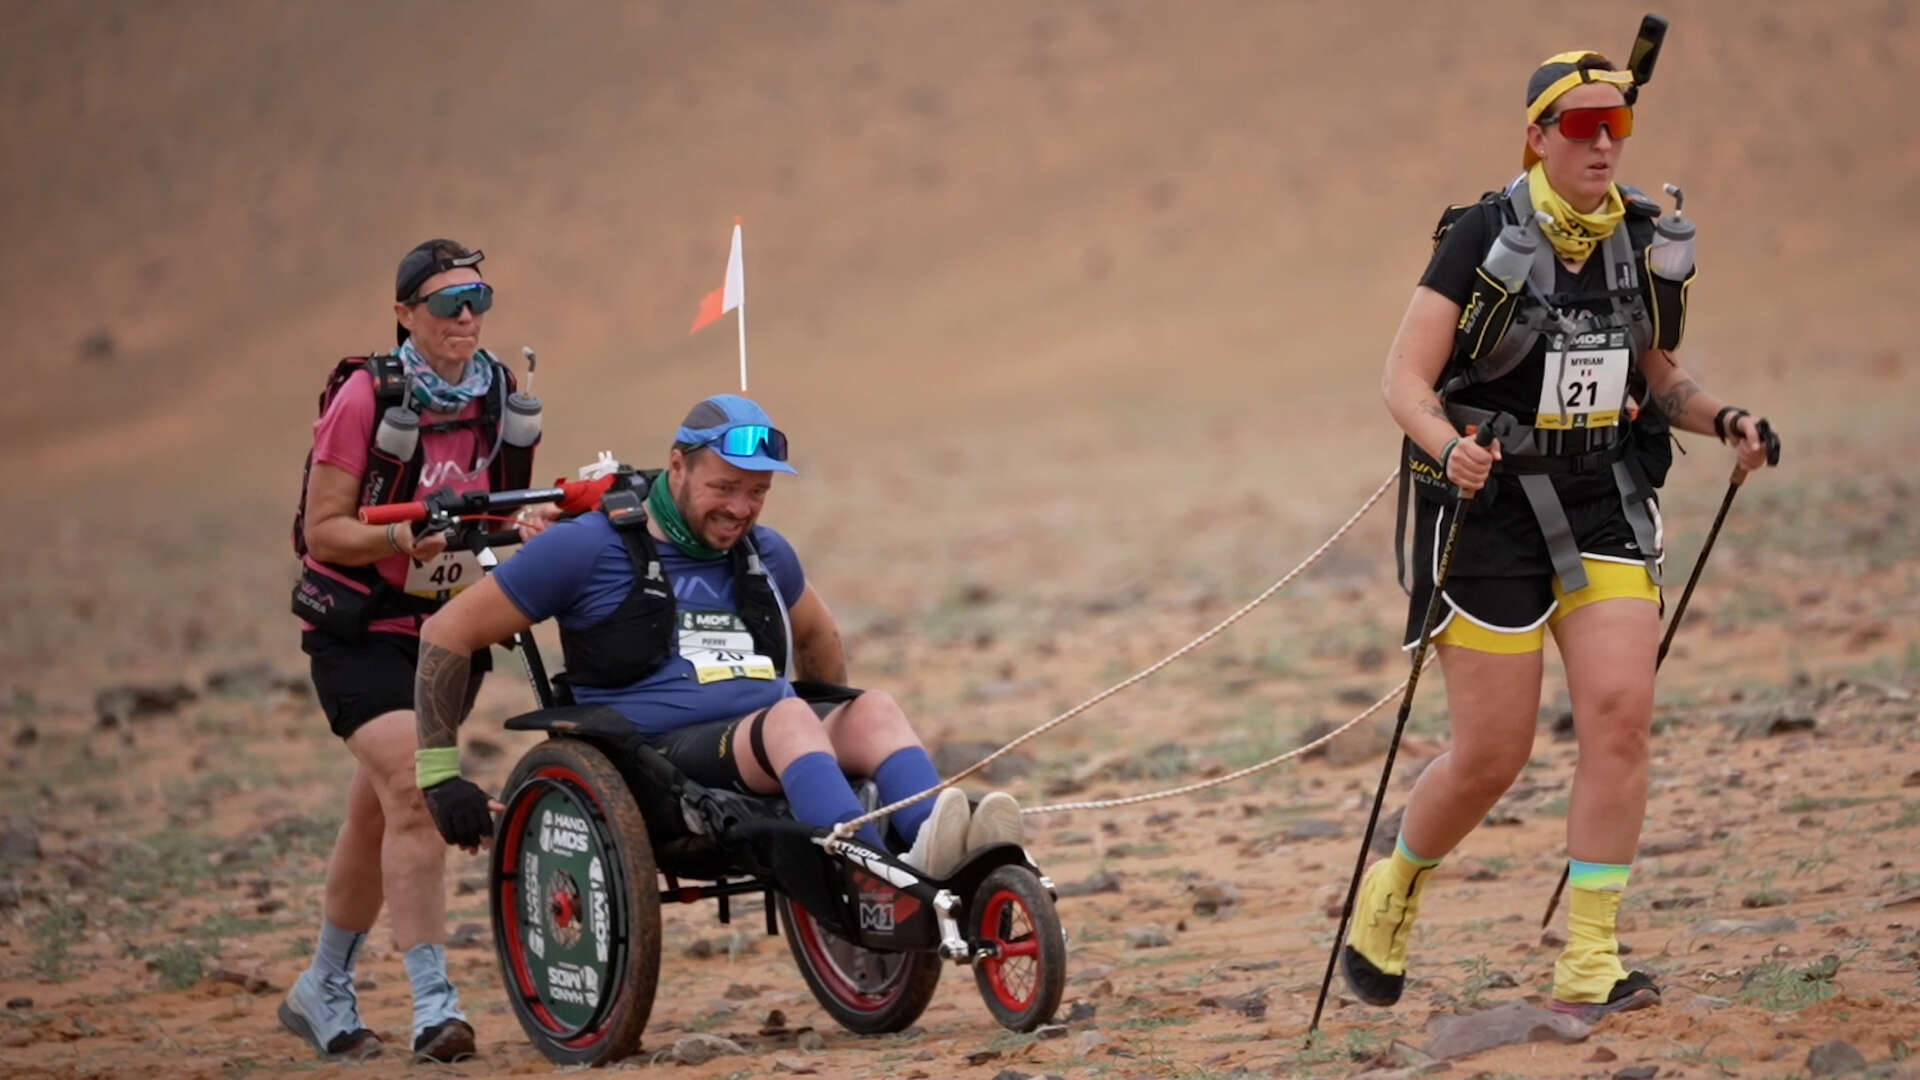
<point>995,821</point>
<point>942,841</point>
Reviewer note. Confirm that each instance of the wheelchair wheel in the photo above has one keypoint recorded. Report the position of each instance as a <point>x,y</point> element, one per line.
<point>1025,970</point>
<point>867,991</point>
<point>576,908</point>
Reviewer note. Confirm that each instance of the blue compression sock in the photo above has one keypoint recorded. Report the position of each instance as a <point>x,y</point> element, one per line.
<point>907,771</point>
<point>435,1001</point>
<point>818,792</point>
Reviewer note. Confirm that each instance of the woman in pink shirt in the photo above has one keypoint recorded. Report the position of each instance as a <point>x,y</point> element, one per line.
<point>363,594</point>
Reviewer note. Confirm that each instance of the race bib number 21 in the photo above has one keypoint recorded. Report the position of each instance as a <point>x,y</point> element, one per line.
<point>1585,382</point>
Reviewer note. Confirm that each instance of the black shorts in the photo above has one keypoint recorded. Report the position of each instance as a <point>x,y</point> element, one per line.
<point>371,677</point>
<point>1502,574</point>
<point>709,753</point>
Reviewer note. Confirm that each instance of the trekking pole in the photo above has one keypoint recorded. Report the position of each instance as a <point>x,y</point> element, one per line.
<point>1680,609</point>
<point>1481,437</point>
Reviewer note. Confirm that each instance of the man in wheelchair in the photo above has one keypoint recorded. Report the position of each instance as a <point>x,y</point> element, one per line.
<point>695,623</point>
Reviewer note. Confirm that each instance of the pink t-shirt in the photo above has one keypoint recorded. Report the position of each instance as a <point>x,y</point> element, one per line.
<point>341,437</point>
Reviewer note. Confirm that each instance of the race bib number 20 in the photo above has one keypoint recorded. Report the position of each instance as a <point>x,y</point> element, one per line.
<point>720,647</point>
<point>1585,383</point>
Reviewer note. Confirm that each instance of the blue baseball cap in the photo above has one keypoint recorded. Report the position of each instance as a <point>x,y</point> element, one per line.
<point>737,429</point>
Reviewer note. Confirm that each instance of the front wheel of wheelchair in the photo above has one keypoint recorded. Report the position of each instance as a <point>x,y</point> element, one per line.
<point>1022,969</point>
<point>576,910</point>
<point>867,991</point>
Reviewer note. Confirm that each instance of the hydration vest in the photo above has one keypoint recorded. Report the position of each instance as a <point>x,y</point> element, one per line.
<point>388,480</point>
<point>1498,330</point>
<point>638,637</point>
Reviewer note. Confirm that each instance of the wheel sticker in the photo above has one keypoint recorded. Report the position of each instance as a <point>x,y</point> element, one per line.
<point>566,926</point>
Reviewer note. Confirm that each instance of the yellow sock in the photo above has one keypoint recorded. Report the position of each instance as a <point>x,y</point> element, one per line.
<point>1589,966</point>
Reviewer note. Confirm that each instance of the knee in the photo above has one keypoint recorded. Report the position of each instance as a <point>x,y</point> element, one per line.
<point>1484,777</point>
<point>404,807</point>
<point>876,711</point>
<point>1617,725</point>
<point>790,725</point>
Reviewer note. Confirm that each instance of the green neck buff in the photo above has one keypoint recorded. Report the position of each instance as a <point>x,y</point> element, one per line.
<point>666,513</point>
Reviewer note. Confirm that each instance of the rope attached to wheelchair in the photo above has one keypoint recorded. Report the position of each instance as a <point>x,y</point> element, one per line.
<point>1237,774</point>
<point>848,828</point>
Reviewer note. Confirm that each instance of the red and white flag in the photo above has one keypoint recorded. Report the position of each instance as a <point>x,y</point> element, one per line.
<point>728,296</point>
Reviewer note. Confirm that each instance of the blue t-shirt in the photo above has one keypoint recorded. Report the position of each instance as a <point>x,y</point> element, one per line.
<point>578,572</point>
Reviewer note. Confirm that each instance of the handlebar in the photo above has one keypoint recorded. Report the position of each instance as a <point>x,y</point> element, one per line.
<point>573,496</point>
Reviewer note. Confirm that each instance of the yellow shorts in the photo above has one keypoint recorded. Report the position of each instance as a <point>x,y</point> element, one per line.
<point>1606,580</point>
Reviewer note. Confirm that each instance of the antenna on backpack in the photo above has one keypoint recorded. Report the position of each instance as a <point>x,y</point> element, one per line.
<point>532,363</point>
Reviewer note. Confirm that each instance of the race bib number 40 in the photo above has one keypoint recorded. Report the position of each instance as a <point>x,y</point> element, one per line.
<point>447,573</point>
<point>1585,384</point>
<point>719,646</point>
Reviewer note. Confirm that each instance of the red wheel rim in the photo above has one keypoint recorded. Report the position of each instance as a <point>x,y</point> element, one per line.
<point>829,971</point>
<point>1014,970</point>
<point>511,926</point>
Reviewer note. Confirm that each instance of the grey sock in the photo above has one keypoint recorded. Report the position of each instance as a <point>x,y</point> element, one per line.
<point>334,956</point>
<point>434,998</point>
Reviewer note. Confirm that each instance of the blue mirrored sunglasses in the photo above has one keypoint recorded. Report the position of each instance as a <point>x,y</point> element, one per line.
<point>446,303</point>
<point>747,440</point>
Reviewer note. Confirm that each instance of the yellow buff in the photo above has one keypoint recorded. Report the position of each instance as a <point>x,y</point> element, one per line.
<point>1573,234</point>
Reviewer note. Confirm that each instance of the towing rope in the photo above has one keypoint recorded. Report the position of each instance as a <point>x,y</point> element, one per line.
<point>848,828</point>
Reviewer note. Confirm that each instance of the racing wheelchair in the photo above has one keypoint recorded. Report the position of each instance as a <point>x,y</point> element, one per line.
<point>600,830</point>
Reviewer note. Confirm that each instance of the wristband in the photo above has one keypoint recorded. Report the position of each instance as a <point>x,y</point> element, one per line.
<point>393,540</point>
<point>435,765</point>
<point>1720,420</point>
<point>1446,454</point>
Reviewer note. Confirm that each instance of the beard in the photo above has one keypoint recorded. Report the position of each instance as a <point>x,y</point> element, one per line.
<point>708,527</point>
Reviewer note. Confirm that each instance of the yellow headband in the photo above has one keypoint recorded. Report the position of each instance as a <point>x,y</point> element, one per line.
<point>1578,75</point>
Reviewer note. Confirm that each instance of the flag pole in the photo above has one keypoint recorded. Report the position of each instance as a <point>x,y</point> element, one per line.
<point>742,313</point>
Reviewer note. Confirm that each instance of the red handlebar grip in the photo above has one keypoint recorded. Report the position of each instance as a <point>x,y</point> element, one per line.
<point>393,512</point>
<point>583,495</point>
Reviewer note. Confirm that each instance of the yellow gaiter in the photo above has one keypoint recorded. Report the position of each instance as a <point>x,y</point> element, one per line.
<point>1573,234</point>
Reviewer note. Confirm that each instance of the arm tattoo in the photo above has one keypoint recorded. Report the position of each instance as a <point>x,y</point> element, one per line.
<point>821,657</point>
<point>1676,397</point>
<point>440,694</point>
<point>1433,408</point>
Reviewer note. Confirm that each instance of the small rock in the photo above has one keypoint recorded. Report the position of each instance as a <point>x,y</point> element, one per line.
<point>21,841</point>
<point>740,992</point>
<point>775,1023</point>
<point>1047,1032</point>
<point>467,886</point>
<point>796,1066</point>
<point>20,1003</point>
<point>951,757</point>
<point>252,984</point>
<point>1147,937</point>
<point>97,347</point>
<point>115,705</point>
<point>699,948</point>
<point>1211,897</point>
<point>1671,845</point>
<point>1371,658</point>
<point>1701,1004</point>
<point>1779,924</point>
<point>698,1049</point>
<point>1637,1072</point>
<point>1100,881</point>
<point>1387,832</point>
<point>1081,1011</point>
<point>1482,872</point>
<point>1553,938</point>
<point>1311,829</point>
<point>1085,1043</point>
<point>1912,780</point>
<point>255,680</point>
<point>1012,1074</point>
<point>1834,1059</point>
<point>1505,1025</point>
<point>28,735</point>
<point>811,1041</point>
<point>1252,1004</point>
<point>1766,898</point>
<point>981,1057</point>
<point>1602,1055</point>
<point>16,1037</point>
<point>468,935</point>
<point>1501,980</point>
<point>270,905</point>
